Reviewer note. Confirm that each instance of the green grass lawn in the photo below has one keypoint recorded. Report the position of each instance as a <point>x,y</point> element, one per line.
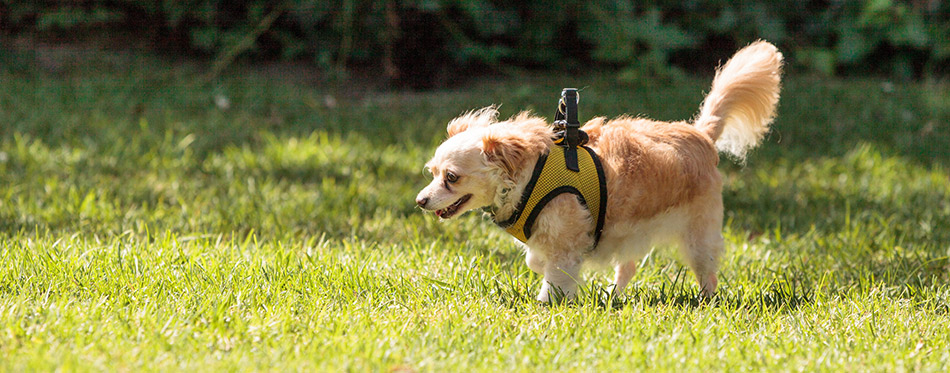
<point>142,227</point>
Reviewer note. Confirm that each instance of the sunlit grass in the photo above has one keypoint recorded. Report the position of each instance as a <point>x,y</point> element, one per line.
<point>142,227</point>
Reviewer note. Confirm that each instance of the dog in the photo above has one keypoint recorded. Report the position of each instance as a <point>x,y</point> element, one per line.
<point>662,180</point>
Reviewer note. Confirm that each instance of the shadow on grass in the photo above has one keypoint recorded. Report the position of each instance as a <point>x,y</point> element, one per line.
<point>915,279</point>
<point>787,294</point>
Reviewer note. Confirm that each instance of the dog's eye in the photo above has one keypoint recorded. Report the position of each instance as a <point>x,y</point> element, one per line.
<point>451,177</point>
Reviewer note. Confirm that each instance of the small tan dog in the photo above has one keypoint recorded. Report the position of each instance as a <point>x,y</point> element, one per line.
<point>662,182</point>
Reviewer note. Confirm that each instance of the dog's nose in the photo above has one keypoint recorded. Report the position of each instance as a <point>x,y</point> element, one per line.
<point>422,201</point>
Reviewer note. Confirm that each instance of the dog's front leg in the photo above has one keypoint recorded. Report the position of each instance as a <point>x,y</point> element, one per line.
<point>561,238</point>
<point>534,261</point>
<point>560,279</point>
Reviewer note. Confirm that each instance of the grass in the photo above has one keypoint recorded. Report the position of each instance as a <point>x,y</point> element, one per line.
<point>142,227</point>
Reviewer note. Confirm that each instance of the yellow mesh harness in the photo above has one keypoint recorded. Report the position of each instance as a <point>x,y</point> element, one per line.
<point>551,178</point>
<point>568,167</point>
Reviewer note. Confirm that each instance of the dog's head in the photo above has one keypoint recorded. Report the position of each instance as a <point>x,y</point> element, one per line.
<point>481,161</point>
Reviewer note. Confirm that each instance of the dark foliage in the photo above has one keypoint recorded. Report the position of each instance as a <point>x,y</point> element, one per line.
<point>430,43</point>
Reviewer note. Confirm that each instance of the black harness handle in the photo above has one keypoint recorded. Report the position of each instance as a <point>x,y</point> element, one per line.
<point>570,135</point>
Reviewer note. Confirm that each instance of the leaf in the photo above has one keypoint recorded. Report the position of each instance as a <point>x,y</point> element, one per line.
<point>853,45</point>
<point>68,17</point>
<point>912,31</point>
<point>817,59</point>
<point>651,29</point>
<point>616,33</point>
<point>206,38</point>
<point>87,206</point>
<point>941,47</point>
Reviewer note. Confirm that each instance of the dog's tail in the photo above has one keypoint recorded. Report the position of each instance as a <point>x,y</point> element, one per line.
<point>738,110</point>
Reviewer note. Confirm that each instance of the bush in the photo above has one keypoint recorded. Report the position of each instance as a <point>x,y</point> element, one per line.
<point>425,43</point>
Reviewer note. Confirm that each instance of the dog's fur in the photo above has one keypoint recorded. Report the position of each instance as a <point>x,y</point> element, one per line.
<point>662,181</point>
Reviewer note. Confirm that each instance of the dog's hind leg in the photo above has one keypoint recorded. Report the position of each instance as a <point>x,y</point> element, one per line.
<point>703,242</point>
<point>622,275</point>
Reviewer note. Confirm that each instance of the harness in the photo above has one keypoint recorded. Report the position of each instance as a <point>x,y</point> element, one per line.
<point>568,167</point>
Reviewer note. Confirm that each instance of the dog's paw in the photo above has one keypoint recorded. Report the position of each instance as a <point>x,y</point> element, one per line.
<point>543,298</point>
<point>553,294</point>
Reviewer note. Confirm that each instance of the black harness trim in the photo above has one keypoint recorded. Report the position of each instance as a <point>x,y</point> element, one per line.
<point>526,195</point>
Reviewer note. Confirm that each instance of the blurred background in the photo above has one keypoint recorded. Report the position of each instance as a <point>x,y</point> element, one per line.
<point>425,44</point>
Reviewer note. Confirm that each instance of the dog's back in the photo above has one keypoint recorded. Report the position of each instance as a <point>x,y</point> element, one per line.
<point>652,166</point>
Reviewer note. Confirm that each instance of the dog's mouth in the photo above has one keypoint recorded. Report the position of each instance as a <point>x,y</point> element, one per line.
<point>453,208</point>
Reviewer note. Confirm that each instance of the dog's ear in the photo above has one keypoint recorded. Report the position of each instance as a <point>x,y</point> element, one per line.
<point>505,148</point>
<point>473,119</point>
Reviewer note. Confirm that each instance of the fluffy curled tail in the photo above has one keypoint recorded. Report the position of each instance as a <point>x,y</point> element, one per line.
<point>738,110</point>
